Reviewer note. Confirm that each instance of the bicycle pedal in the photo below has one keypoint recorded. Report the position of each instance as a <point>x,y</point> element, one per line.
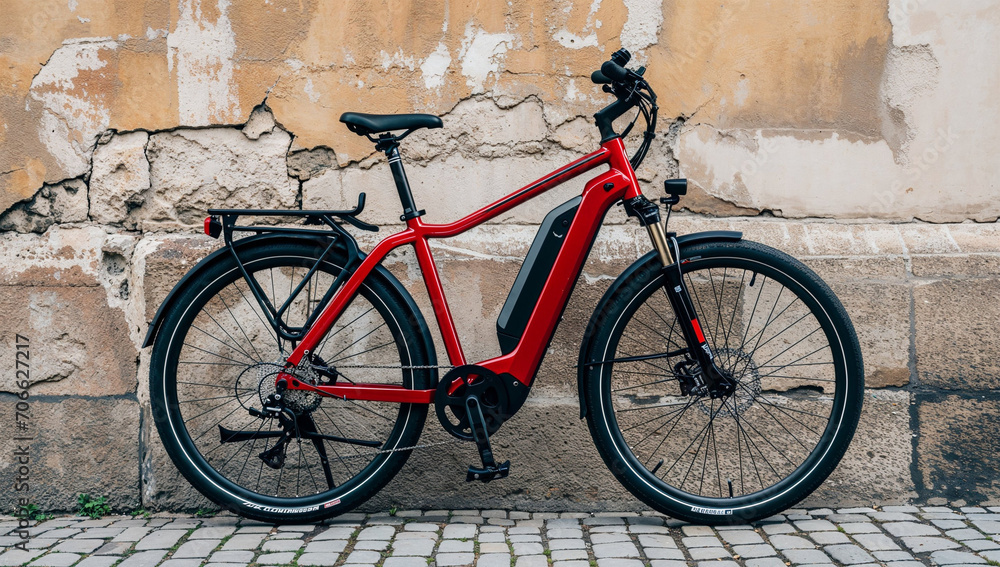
<point>489,473</point>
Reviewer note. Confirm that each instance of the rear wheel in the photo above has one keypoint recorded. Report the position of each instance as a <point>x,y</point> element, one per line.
<point>214,364</point>
<point>775,327</point>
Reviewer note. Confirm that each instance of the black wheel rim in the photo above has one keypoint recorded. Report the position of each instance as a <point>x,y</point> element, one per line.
<point>764,439</point>
<point>227,335</point>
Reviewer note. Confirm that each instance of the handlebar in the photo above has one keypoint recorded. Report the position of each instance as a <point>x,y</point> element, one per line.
<point>614,71</point>
<point>631,91</point>
<point>599,78</point>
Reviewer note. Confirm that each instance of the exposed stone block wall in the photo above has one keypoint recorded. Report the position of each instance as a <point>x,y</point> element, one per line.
<point>854,137</point>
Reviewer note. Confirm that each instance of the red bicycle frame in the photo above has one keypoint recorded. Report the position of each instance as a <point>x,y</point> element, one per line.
<point>599,195</point>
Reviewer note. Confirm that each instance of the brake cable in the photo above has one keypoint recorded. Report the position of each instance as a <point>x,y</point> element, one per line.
<point>649,114</point>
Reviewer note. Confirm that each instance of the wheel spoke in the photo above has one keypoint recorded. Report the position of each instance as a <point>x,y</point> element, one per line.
<point>366,335</point>
<point>765,335</point>
<point>253,443</point>
<point>236,362</point>
<point>671,379</point>
<point>667,337</point>
<point>346,326</point>
<point>240,325</point>
<point>686,405</point>
<point>653,420</point>
<point>671,430</point>
<point>366,351</point>
<point>219,373</point>
<point>236,346</point>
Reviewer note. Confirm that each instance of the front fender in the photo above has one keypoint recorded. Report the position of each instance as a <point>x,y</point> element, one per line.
<point>683,242</point>
<point>240,244</point>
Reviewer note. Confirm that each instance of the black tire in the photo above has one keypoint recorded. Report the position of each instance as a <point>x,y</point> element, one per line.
<point>786,338</point>
<point>213,358</point>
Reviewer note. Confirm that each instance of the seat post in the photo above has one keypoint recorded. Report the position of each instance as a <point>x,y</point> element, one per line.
<point>390,145</point>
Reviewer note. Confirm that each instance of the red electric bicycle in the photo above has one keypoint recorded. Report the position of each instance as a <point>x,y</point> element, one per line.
<point>291,373</point>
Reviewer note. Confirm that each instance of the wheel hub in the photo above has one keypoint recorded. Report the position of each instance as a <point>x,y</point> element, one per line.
<point>743,383</point>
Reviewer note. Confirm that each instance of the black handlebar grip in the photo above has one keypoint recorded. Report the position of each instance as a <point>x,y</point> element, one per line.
<point>614,71</point>
<point>599,78</point>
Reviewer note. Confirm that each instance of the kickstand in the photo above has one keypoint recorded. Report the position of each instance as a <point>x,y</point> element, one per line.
<point>490,468</point>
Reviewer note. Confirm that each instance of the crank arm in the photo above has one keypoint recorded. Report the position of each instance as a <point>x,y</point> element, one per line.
<point>490,468</point>
<point>479,433</point>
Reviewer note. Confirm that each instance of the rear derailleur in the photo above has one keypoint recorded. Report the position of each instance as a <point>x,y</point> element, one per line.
<point>294,423</point>
<point>275,408</point>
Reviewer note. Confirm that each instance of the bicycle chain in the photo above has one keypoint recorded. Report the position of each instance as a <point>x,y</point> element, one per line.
<point>398,449</point>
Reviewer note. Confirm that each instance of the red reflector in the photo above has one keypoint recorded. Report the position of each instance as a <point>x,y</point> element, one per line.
<point>697,331</point>
<point>213,227</point>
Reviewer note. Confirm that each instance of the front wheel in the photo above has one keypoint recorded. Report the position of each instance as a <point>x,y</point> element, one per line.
<point>778,330</point>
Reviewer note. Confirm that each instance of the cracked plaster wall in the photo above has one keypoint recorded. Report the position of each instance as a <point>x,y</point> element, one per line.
<point>805,109</point>
<point>123,120</point>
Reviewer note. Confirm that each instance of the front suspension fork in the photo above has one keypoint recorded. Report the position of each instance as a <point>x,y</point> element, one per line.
<point>666,248</point>
<point>658,235</point>
<point>678,295</point>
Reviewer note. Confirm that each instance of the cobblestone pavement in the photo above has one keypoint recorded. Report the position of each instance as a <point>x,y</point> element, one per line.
<point>897,536</point>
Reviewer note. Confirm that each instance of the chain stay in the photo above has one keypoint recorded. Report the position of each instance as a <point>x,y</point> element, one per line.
<point>392,366</point>
<point>374,453</point>
<point>411,447</point>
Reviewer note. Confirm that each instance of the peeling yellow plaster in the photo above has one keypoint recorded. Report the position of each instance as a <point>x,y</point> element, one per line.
<point>784,63</point>
<point>803,65</point>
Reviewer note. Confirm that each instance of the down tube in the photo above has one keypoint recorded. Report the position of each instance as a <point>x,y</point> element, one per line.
<point>524,360</point>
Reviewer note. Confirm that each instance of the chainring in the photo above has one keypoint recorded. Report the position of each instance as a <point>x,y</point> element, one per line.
<point>449,400</point>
